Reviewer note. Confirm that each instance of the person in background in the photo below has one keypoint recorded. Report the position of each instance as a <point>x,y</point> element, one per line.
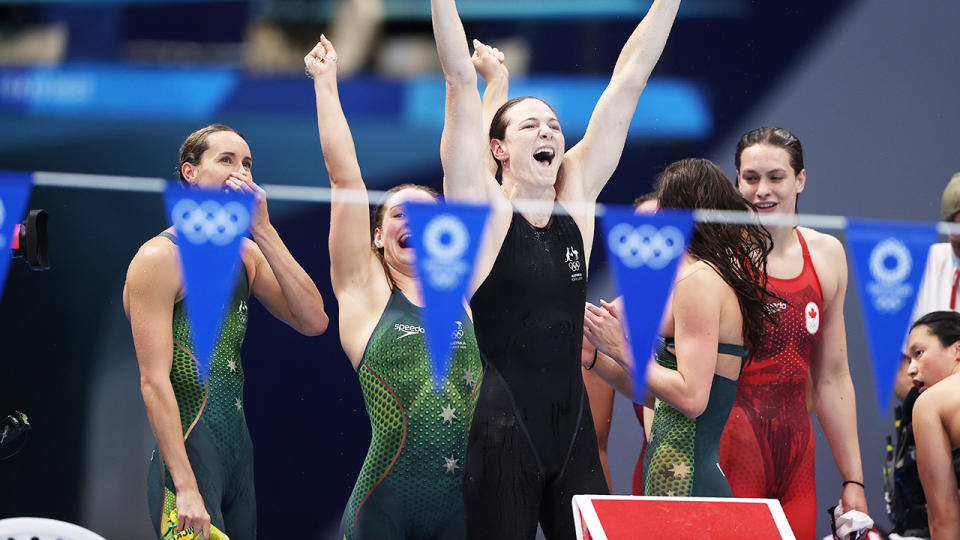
<point>934,369</point>
<point>938,288</point>
<point>601,393</point>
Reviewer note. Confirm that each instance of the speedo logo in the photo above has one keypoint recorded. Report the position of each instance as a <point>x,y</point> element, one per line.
<point>776,307</point>
<point>407,329</point>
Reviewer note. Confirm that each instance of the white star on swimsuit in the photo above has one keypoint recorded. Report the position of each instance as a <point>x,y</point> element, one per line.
<point>232,365</point>
<point>680,469</point>
<point>468,377</point>
<point>450,464</point>
<point>449,414</point>
<point>238,404</point>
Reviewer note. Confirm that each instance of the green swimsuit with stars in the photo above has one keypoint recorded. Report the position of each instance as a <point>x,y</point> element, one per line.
<point>682,456</point>
<point>214,427</point>
<point>410,485</point>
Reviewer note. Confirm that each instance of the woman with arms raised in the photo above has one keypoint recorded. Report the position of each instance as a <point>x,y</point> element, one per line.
<point>410,485</point>
<point>532,443</point>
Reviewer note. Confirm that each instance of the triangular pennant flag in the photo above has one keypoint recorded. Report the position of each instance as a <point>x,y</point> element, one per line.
<point>888,261</point>
<point>210,226</point>
<point>644,250</point>
<point>445,241</point>
<point>14,192</point>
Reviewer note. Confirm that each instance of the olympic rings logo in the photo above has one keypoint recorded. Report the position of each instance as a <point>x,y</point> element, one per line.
<point>458,331</point>
<point>209,221</point>
<point>891,248</point>
<point>445,241</point>
<point>445,237</point>
<point>645,245</point>
<point>888,290</point>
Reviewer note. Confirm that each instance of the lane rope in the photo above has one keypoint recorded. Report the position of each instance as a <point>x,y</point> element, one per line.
<point>281,192</point>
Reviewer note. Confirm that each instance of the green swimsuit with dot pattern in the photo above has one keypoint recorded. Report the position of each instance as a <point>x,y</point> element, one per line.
<point>410,485</point>
<point>215,431</point>
<point>682,457</point>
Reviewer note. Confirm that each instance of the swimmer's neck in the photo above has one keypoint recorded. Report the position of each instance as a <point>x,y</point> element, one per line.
<point>519,191</point>
<point>784,236</point>
<point>407,283</point>
<point>535,202</point>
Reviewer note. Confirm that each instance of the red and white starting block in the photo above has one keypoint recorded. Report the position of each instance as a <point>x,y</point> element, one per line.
<point>621,517</point>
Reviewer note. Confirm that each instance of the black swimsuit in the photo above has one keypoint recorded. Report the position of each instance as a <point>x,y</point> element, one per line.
<point>532,444</point>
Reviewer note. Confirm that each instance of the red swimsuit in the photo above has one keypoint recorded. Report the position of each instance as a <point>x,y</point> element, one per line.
<point>767,445</point>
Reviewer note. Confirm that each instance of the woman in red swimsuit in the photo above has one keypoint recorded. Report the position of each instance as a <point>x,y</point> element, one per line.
<point>767,448</point>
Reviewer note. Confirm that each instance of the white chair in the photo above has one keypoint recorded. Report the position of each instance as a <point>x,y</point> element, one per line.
<point>32,528</point>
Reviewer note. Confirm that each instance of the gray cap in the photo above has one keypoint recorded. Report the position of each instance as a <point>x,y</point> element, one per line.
<point>950,203</point>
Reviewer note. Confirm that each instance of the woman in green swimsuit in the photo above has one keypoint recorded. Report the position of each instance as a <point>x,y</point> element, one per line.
<point>202,466</point>
<point>717,306</point>
<point>410,485</point>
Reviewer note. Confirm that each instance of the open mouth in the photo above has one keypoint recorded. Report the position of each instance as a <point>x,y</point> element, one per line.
<point>545,156</point>
<point>918,385</point>
<point>764,205</point>
<point>405,240</point>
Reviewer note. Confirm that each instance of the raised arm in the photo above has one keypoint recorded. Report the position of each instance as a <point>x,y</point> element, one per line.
<point>151,289</point>
<point>283,286</point>
<point>489,63</point>
<point>463,145</point>
<point>351,259</point>
<point>278,280</point>
<point>834,399</point>
<point>596,156</point>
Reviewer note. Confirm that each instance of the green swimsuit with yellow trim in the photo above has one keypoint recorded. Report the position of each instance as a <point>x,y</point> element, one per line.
<point>215,431</point>
<point>410,485</point>
<point>682,457</point>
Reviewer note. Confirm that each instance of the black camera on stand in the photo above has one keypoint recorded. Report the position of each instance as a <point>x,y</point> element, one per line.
<point>30,240</point>
<point>14,430</point>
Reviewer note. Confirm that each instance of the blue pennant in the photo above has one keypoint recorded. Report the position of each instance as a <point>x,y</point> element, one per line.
<point>210,227</point>
<point>14,192</point>
<point>445,241</point>
<point>888,261</point>
<point>644,251</point>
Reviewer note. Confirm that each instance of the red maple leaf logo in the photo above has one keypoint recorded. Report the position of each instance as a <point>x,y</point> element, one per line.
<point>812,313</point>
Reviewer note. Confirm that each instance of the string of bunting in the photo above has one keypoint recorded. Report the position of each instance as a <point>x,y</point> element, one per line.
<point>888,257</point>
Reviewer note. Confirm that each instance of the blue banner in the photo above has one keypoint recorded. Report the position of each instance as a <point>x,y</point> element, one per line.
<point>210,227</point>
<point>644,250</point>
<point>445,241</point>
<point>888,261</point>
<point>14,192</point>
